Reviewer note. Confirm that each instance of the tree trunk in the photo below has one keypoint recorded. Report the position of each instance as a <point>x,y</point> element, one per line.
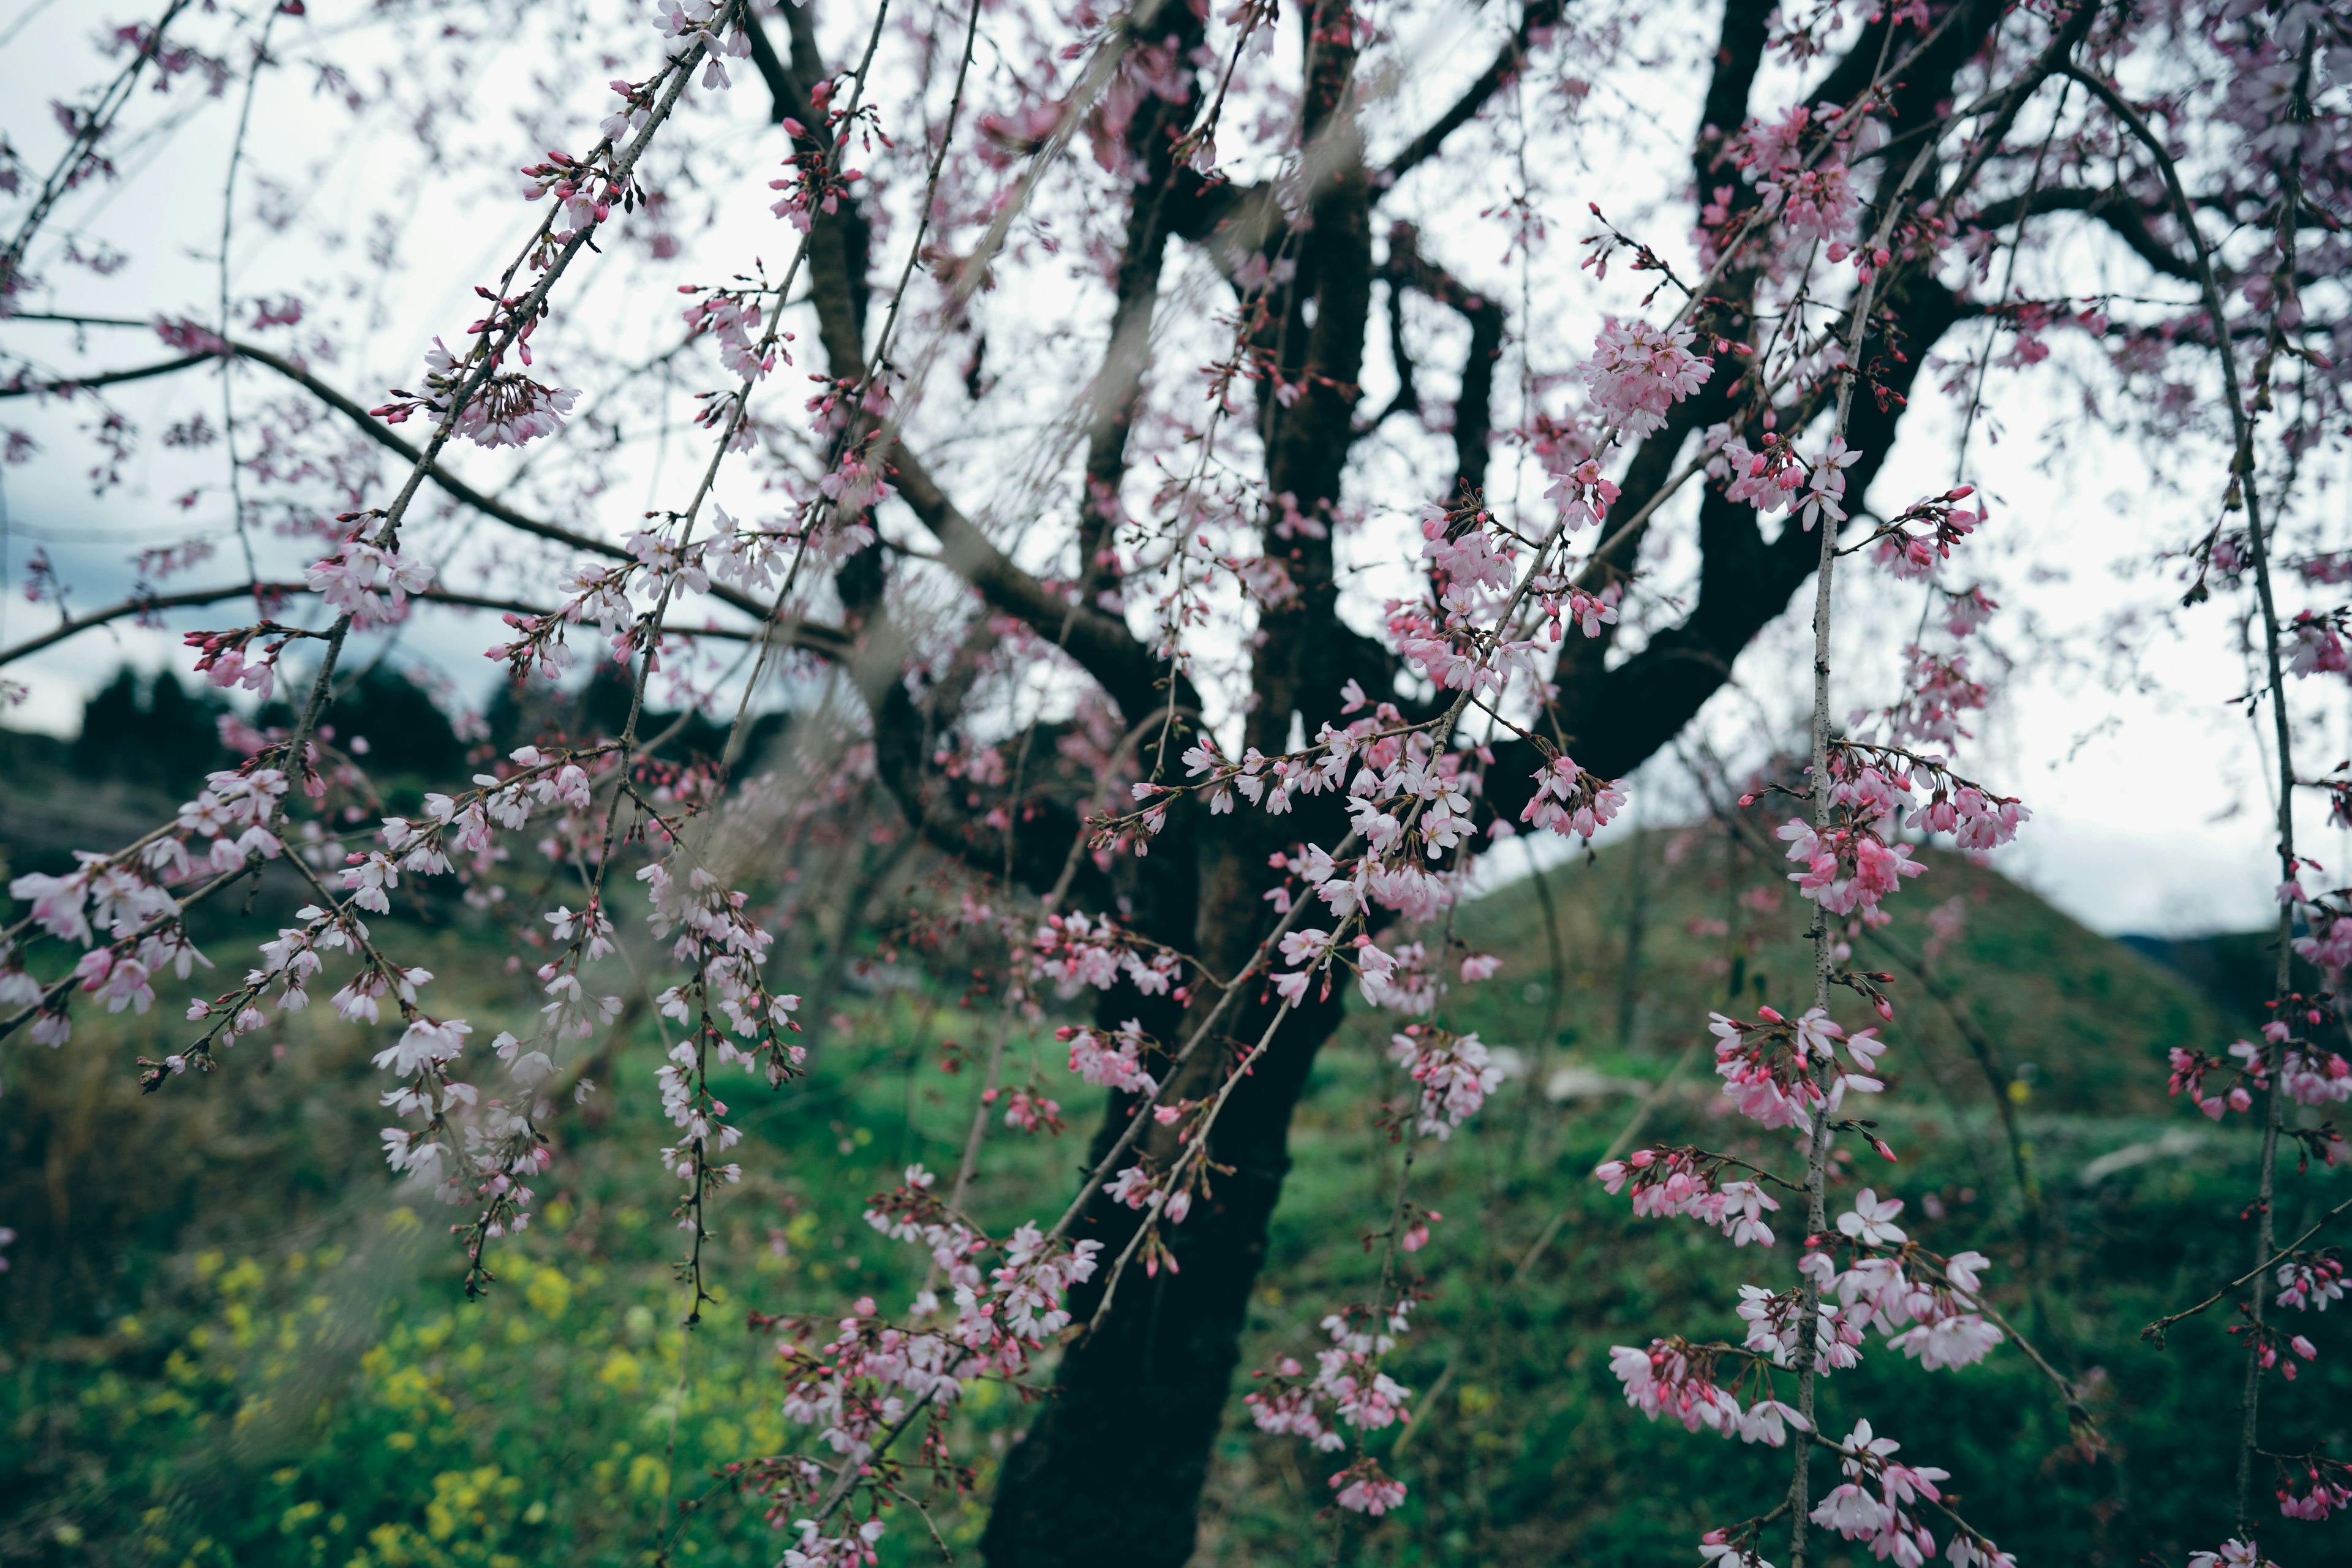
<point>1111,1471</point>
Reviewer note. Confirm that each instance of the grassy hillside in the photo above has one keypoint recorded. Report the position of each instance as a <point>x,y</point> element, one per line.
<point>229,1339</point>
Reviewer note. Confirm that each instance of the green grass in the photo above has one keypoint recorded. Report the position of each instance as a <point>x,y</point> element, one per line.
<point>231,1339</point>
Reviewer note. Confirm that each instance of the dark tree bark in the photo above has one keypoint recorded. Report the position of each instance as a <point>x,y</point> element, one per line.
<point>1111,1469</point>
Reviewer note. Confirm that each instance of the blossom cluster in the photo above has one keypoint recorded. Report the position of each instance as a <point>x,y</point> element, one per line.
<point>1637,374</point>
<point>1894,1288</point>
<point>731,318</point>
<point>2325,1488</point>
<point>500,408</point>
<point>1940,521</point>
<point>1571,802</point>
<point>1347,1389</point>
<point>584,189</point>
<point>1794,162</point>
<point>368,580</point>
<point>1668,1180</point>
<point>1453,640</point>
<point>2311,1283</point>
<point>1932,1317</point>
<point>1114,1058</point>
<point>1573,482</point>
<point>1455,1074</point>
<point>685,23</point>
<point>760,557</point>
<point>473,389</point>
<point>229,659</point>
<point>2232,1553</point>
<point>1411,985</point>
<point>1564,603</point>
<point>873,1377</point>
<point>816,183</point>
<point>1936,696</point>
<point>1677,1380</point>
<point>1775,477</point>
<point>1921,1304</point>
<point>1075,951</point>
<point>1780,1071</point>
<point>1408,803</point>
<point>1877,1502</point>
<point>2310,1074</point>
<point>725,950</point>
<point>2327,943</point>
<point>127,896</point>
<point>1850,865</point>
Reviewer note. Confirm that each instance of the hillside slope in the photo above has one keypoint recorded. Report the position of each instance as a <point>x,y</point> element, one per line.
<point>230,1339</point>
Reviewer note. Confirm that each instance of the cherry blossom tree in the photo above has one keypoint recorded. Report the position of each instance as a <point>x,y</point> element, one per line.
<point>1203,398</point>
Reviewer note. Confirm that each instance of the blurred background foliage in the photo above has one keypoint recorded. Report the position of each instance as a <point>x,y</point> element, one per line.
<point>228,1337</point>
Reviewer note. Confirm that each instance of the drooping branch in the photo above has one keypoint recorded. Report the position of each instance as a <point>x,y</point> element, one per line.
<point>68,385</point>
<point>2244,496</point>
<point>450,484</point>
<point>70,166</point>
<point>810,637</point>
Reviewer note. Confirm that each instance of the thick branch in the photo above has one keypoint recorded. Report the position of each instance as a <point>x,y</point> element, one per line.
<point>1618,717</point>
<point>2113,207</point>
<point>905,738</point>
<point>1473,409</point>
<point>1100,643</point>
<point>1956,39</point>
<point>840,241</point>
<point>1738,56</point>
<point>1538,15</point>
<point>1615,718</point>
<point>1118,390</point>
<point>1307,652</point>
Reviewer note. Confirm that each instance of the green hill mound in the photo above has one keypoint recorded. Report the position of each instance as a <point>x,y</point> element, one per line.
<point>1656,932</point>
